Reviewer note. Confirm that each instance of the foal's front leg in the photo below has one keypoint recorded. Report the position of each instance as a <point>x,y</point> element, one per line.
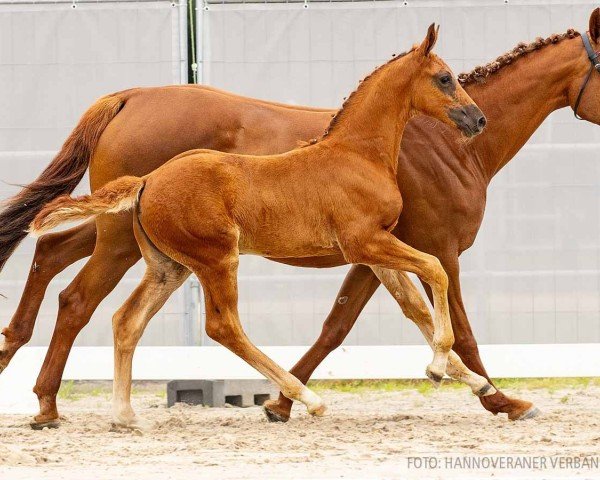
<point>413,306</point>
<point>382,249</point>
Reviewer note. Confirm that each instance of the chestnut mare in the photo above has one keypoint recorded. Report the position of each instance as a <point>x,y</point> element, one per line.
<point>134,132</point>
<point>339,195</point>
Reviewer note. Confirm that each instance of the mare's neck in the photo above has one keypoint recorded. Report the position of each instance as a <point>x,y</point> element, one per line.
<point>518,98</point>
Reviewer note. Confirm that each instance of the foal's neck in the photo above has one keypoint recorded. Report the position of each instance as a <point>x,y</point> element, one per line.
<point>518,98</point>
<point>373,119</point>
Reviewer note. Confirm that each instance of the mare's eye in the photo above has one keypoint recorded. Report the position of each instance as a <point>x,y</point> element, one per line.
<point>445,79</point>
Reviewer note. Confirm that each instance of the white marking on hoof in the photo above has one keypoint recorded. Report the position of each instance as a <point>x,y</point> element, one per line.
<point>130,423</point>
<point>314,403</point>
<point>479,385</point>
<point>319,411</point>
<point>124,417</point>
<point>530,413</point>
<point>434,375</point>
<point>484,390</point>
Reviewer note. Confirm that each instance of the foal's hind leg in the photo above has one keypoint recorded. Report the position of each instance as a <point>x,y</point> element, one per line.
<point>223,325</point>
<point>53,253</point>
<point>413,306</point>
<point>162,278</point>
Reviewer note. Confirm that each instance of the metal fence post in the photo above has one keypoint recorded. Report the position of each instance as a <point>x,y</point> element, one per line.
<point>193,328</point>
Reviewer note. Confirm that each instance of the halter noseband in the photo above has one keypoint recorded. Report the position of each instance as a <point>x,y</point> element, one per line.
<point>595,64</point>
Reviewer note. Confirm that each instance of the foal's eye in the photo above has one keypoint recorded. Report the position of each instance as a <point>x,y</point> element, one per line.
<point>445,79</point>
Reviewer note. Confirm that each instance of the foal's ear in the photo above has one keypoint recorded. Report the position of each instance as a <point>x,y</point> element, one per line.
<point>430,39</point>
<point>595,25</point>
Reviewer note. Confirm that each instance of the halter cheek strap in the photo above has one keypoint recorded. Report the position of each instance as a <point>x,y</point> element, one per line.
<point>595,64</point>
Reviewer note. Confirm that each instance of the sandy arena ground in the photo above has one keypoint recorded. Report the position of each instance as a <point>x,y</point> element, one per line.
<point>369,434</point>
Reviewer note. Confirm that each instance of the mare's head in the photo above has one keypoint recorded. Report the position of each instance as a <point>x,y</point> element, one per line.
<point>437,93</point>
<point>583,91</point>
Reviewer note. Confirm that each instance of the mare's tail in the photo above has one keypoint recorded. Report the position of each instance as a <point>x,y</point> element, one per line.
<point>59,178</point>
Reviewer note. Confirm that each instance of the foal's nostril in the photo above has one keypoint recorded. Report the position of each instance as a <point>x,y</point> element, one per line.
<point>481,123</point>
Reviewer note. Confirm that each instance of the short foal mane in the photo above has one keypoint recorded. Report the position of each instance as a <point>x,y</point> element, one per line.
<point>350,99</point>
<point>479,74</point>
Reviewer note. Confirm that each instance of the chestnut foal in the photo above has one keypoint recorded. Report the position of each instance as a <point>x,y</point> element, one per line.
<point>338,195</point>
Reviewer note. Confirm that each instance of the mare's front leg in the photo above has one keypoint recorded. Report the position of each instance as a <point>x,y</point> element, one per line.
<point>466,348</point>
<point>53,253</point>
<point>358,287</point>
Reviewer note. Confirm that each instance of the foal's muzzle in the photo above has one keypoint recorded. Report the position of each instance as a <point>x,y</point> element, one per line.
<point>470,120</point>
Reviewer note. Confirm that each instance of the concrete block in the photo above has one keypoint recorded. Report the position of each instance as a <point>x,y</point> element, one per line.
<point>216,393</point>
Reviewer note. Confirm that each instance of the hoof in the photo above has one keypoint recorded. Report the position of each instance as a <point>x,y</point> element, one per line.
<point>131,424</point>
<point>274,417</point>
<point>314,404</point>
<point>532,412</point>
<point>136,429</point>
<point>41,425</point>
<point>486,390</point>
<point>435,377</point>
<point>319,410</point>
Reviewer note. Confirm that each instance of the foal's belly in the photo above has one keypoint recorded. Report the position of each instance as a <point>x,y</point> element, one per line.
<point>327,261</point>
<point>282,245</point>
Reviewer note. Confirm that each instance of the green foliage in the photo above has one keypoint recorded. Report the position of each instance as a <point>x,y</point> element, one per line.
<point>71,390</point>
<point>425,387</point>
<point>67,391</point>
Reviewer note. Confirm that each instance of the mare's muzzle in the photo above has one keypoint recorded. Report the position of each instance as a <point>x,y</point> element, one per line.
<point>470,120</point>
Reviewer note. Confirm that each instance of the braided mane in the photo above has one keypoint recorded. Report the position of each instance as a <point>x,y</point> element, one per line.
<point>477,75</point>
<point>480,73</point>
<point>335,118</point>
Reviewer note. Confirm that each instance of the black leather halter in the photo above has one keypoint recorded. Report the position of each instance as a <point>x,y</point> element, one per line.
<point>595,64</point>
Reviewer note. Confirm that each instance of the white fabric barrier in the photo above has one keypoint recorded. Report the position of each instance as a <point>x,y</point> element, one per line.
<point>357,362</point>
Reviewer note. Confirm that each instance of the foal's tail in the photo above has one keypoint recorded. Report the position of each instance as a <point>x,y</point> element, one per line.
<point>117,196</point>
<point>59,178</point>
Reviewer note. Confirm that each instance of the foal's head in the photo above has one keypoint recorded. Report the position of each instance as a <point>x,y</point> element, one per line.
<point>437,93</point>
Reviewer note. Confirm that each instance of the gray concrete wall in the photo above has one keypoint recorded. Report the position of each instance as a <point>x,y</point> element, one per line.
<point>533,274</point>
<point>55,60</point>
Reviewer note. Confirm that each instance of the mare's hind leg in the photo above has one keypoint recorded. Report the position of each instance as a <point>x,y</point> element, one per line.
<point>223,325</point>
<point>116,251</point>
<point>413,306</point>
<point>53,253</point>
<point>163,276</point>
<point>358,287</point>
